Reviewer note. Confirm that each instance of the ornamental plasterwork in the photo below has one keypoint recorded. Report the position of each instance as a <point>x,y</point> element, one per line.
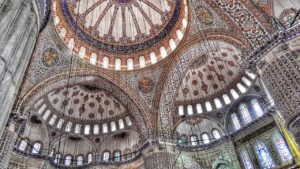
<point>48,58</point>
<point>134,105</point>
<point>137,83</point>
<point>245,20</point>
<point>203,17</point>
<point>151,29</point>
<point>176,74</point>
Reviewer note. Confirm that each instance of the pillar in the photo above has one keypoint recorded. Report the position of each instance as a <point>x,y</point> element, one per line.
<point>18,30</point>
<point>160,157</point>
<point>7,144</point>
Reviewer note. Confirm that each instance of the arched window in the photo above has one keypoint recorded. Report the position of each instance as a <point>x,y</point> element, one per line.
<point>96,129</point>
<point>117,155</point>
<point>60,123</point>
<point>23,145</point>
<point>93,58</point>
<point>226,99</point>
<point>68,160</point>
<point>218,103</point>
<point>57,158</point>
<point>105,62</point>
<point>80,160</point>
<point>281,147</point>
<point>142,61</point>
<point>77,128</point>
<point>105,156</point>
<point>128,121</point>
<point>258,111</point>
<point>36,148</point>
<point>68,126</point>
<point>104,128</point>
<point>90,158</point>
<point>241,88</point>
<point>87,129</point>
<point>216,134</point>
<point>180,110</point>
<point>246,159</point>
<point>263,155</point>
<point>205,138</point>
<point>235,121</point>
<point>234,94</point>
<point>194,140</point>
<point>199,108</point>
<point>118,64</point>
<point>208,106</point>
<point>51,153</point>
<point>153,58</point>
<point>245,113</point>
<point>183,139</point>
<point>121,124</point>
<point>113,126</point>
<point>129,64</point>
<point>52,120</point>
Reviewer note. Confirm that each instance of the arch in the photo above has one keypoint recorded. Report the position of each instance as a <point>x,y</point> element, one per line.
<point>89,158</point>
<point>23,144</point>
<point>216,134</point>
<point>117,155</point>
<point>136,106</point>
<point>176,73</point>
<point>79,160</point>
<point>68,160</point>
<point>221,162</point>
<point>36,147</point>
<point>105,155</point>
<point>205,138</point>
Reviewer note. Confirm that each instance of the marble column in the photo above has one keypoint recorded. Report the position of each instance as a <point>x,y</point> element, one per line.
<point>6,145</point>
<point>280,72</point>
<point>18,30</point>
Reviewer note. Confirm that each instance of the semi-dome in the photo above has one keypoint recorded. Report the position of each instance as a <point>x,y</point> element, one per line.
<point>121,34</point>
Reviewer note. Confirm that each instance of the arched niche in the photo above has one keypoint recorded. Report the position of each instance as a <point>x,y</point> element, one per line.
<point>135,106</point>
<point>176,73</point>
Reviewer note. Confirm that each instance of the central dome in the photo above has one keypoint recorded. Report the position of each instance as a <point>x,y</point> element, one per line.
<point>106,30</point>
<point>123,26</point>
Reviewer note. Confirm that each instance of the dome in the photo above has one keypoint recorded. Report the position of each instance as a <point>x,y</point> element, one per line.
<point>121,34</point>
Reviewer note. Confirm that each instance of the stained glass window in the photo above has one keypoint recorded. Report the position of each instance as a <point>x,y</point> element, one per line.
<point>263,155</point>
<point>117,156</point>
<point>281,147</point>
<point>235,121</point>
<point>183,139</point>
<point>36,148</point>
<point>247,163</point>
<point>105,156</point>
<point>194,140</point>
<point>68,160</point>
<point>205,138</point>
<point>90,157</point>
<point>216,134</point>
<point>23,145</point>
<point>258,111</point>
<point>57,158</point>
<point>79,160</point>
<point>245,113</point>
